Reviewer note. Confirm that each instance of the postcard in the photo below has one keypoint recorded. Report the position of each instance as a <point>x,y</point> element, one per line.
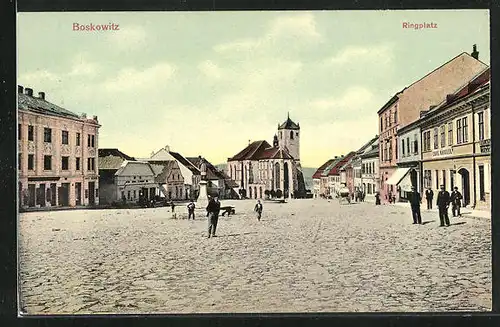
<point>254,162</point>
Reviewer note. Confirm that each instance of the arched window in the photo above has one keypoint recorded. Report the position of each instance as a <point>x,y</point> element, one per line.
<point>291,135</point>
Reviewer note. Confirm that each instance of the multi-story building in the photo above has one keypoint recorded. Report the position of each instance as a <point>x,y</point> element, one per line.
<point>405,107</point>
<point>456,143</point>
<point>370,172</point>
<point>57,154</point>
<point>320,184</point>
<point>408,173</point>
<point>110,160</point>
<point>260,166</point>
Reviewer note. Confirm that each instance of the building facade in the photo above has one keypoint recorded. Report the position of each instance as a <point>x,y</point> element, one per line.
<point>370,172</point>
<point>260,167</point>
<point>405,107</point>
<point>456,143</point>
<point>57,154</point>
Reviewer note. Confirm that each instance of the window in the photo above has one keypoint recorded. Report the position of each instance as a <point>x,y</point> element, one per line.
<point>92,139</point>
<point>19,131</point>
<point>19,161</point>
<point>390,151</point>
<point>396,149</point>
<point>64,137</point>
<point>135,194</point>
<point>77,139</point>
<point>459,131</point>
<point>443,136</point>
<point>437,179</point>
<point>47,162</point>
<point>450,133</point>
<point>65,163</point>
<point>381,124</point>
<point>128,195</point>
<point>452,179</point>
<point>480,121</point>
<point>91,164</point>
<point>427,141</point>
<point>465,130</point>
<point>30,133</point>
<point>31,161</point>
<point>408,145</point>
<point>291,135</point>
<point>77,164</point>
<point>415,144</point>
<point>396,115</point>
<point>47,135</point>
<point>435,137</point>
<point>403,147</point>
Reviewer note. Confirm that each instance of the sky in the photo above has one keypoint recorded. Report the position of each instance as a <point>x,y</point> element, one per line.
<point>207,83</point>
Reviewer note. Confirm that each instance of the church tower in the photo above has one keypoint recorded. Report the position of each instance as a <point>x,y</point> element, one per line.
<point>289,137</point>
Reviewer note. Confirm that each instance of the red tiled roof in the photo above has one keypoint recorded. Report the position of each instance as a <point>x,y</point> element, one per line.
<point>336,168</point>
<point>251,152</point>
<point>469,88</point>
<point>320,170</point>
<point>275,153</point>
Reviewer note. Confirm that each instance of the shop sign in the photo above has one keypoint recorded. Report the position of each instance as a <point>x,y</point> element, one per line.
<point>442,152</point>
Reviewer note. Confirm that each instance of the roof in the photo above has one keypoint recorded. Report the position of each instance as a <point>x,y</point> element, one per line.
<point>112,159</point>
<point>39,105</point>
<point>185,162</point>
<point>275,153</point>
<point>473,86</point>
<point>336,168</point>
<point>212,172</point>
<point>372,153</point>
<point>320,170</point>
<point>251,152</point>
<point>289,124</point>
<point>367,145</point>
<point>127,162</point>
<point>391,101</point>
<point>161,169</point>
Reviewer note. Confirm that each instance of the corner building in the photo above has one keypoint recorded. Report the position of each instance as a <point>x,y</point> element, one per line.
<point>57,154</point>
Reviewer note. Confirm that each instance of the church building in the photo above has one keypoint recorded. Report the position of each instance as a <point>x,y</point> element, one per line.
<point>276,168</point>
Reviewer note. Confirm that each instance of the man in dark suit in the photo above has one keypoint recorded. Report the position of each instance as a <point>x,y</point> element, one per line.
<point>213,210</point>
<point>443,203</point>
<point>429,195</point>
<point>456,202</point>
<point>415,200</point>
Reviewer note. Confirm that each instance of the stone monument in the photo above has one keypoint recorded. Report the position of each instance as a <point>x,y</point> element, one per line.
<point>202,201</point>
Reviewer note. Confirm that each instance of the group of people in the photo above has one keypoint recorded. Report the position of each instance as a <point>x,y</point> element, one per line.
<point>213,209</point>
<point>444,199</point>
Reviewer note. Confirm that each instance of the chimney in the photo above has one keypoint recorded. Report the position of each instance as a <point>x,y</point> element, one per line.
<point>20,89</point>
<point>28,91</point>
<point>167,148</point>
<point>475,53</point>
<point>41,95</point>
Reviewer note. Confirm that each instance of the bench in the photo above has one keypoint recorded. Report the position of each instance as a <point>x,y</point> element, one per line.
<point>227,209</point>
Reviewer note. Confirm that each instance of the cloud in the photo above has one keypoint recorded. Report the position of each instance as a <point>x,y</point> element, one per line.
<point>358,55</point>
<point>40,77</point>
<point>210,69</point>
<point>128,36</point>
<point>289,31</point>
<point>82,67</point>
<point>131,78</point>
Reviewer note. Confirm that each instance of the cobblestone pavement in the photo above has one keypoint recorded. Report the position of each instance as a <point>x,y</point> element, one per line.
<point>304,256</point>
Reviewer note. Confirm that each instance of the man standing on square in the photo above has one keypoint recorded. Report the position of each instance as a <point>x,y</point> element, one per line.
<point>429,195</point>
<point>443,202</point>
<point>191,206</point>
<point>415,200</point>
<point>456,202</point>
<point>213,209</point>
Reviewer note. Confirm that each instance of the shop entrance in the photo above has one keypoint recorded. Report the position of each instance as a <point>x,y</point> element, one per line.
<point>465,186</point>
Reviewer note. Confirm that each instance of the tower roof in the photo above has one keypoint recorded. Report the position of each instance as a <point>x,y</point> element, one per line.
<point>289,124</point>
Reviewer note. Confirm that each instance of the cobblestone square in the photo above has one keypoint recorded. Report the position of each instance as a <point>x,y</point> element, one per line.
<point>303,256</point>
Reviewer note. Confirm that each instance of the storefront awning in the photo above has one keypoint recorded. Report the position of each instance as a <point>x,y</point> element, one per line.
<point>405,183</point>
<point>397,176</point>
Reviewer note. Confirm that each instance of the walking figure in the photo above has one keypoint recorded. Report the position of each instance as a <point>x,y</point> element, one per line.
<point>390,196</point>
<point>429,195</point>
<point>415,201</point>
<point>191,207</point>
<point>258,209</point>
<point>377,199</point>
<point>213,209</point>
<point>443,203</point>
<point>456,202</point>
<point>174,216</point>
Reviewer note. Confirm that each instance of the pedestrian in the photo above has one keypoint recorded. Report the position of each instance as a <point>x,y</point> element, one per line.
<point>213,209</point>
<point>377,199</point>
<point>172,206</point>
<point>191,206</point>
<point>258,209</point>
<point>429,195</point>
<point>456,202</point>
<point>443,203</point>
<point>415,200</point>
<point>390,196</point>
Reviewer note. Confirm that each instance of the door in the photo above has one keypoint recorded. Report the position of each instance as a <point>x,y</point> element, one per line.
<point>31,195</point>
<point>78,194</point>
<point>91,193</point>
<point>53,194</point>
<point>465,186</point>
<point>41,195</point>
